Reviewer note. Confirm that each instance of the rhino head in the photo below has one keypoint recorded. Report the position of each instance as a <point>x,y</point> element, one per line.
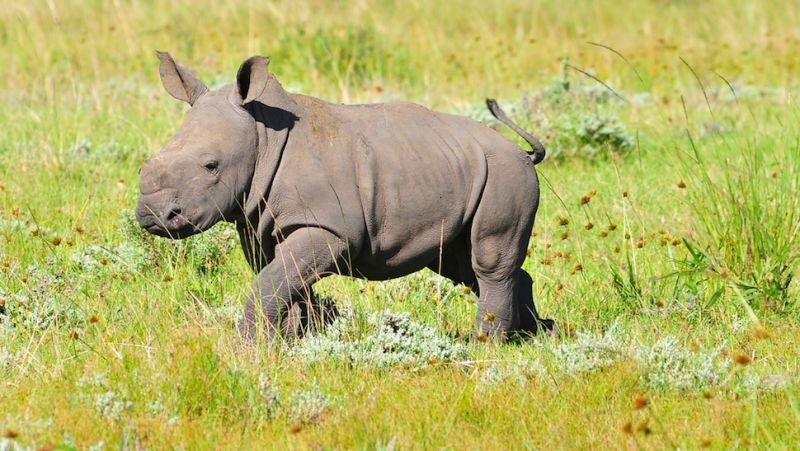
<point>204,172</point>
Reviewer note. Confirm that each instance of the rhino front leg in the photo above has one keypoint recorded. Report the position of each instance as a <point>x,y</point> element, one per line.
<point>283,288</point>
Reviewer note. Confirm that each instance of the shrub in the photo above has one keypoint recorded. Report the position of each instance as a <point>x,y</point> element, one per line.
<point>571,120</point>
<point>308,406</point>
<point>589,352</point>
<point>380,340</point>
<point>42,301</point>
<point>666,366</point>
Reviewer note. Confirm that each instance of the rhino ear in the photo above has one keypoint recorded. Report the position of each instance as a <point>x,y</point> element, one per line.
<point>252,77</point>
<point>179,81</point>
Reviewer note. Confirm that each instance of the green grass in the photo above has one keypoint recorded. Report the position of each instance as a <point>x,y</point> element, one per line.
<point>679,314</point>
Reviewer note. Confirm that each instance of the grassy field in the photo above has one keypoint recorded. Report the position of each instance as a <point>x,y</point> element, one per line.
<point>665,244</point>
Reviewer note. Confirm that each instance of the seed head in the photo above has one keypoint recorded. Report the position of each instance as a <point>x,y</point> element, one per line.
<point>588,226</point>
<point>742,359</point>
<point>682,184</point>
<point>639,402</point>
<point>759,333</point>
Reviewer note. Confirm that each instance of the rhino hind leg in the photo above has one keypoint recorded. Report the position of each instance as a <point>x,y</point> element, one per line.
<point>454,264</point>
<point>529,320</point>
<point>499,236</point>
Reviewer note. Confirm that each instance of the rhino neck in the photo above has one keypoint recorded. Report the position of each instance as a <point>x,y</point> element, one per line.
<point>275,114</point>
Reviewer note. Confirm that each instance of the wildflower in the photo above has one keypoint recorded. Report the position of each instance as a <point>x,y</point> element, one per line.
<point>742,359</point>
<point>624,194</point>
<point>489,317</point>
<point>681,184</point>
<point>588,226</point>
<point>612,227</point>
<point>759,333</point>
<point>585,200</point>
<point>564,235</point>
<point>167,278</point>
<point>56,240</point>
<point>639,402</point>
<point>577,268</point>
<point>563,221</point>
<point>627,427</point>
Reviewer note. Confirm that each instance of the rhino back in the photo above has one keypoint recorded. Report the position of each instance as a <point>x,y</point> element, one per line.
<point>396,180</point>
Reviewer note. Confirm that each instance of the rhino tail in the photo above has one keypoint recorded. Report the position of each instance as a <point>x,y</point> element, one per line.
<point>538,149</point>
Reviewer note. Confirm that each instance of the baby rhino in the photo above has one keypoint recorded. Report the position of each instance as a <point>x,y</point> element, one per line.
<point>373,191</point>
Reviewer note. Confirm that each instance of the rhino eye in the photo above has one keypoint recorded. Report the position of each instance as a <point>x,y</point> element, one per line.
<point>211,166</point>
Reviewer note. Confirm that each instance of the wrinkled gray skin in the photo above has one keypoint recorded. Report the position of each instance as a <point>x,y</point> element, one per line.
<point>372,191</point>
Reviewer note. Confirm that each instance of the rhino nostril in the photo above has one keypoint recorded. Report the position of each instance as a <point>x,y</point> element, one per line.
<point>175,211</point>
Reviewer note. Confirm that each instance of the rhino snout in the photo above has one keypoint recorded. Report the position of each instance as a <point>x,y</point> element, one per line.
<point>163,219</point>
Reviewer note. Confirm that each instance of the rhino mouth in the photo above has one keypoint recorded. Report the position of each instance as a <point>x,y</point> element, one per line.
<point>176,228</point>
<point>174,233</point>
